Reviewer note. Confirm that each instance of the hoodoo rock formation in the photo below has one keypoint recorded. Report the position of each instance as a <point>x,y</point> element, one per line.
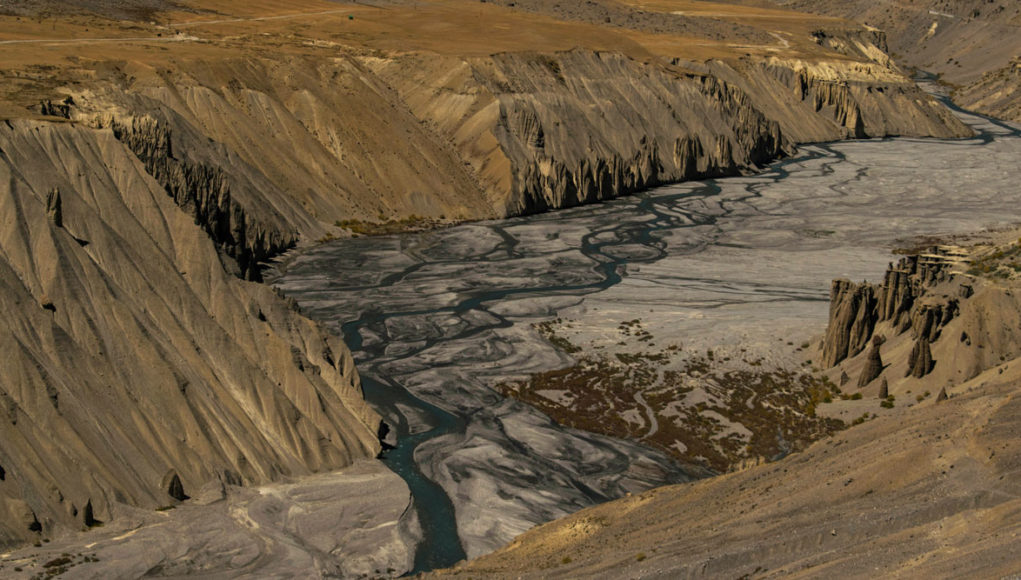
<point>873,364</point>
<point>933,306</point>
<point>856,309</point>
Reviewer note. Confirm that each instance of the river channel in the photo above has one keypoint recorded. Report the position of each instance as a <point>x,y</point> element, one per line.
<point>435,320</point>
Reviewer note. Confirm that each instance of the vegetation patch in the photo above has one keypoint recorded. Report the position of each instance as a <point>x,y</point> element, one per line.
<point>701,411</point>
<point>412,223</point>
<point>547,330</point>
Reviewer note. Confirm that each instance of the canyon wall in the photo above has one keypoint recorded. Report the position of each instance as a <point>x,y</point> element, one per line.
<point>973,45</point>
<point>452,138</point>
<point>137,368</point>
<point>544,131</point>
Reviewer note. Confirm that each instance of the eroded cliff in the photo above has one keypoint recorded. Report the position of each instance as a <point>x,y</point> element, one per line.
<point>137,368</point>
<point>943,316</point>
<point>973,45</point>
<point>545,131</point>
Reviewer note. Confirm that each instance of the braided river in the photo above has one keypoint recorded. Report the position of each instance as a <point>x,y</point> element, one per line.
<point>435,320</point>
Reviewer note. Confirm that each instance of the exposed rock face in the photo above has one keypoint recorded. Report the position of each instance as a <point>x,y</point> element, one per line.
<point>852,319</point>
<point>884,389</point>
<point>920,361</point>
<point>59,110</point>
<point>970,43</point>
<point>856,309</point>
<point>88,516</point>
<point>574,127</point>
<point>148,355</point>
<point>172,484</point>
<point>544,131</point>
<point>205,191</point>
<point>633,150</point>
<point>835,100</point>
<point>53,208</point>
<point>949,314</point>
<point>873,365</point>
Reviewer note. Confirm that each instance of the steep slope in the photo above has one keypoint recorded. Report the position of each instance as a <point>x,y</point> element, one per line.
<point>545,131</point>
<point>997,93</point>
<point>136,367</point>
<point>960,41</point>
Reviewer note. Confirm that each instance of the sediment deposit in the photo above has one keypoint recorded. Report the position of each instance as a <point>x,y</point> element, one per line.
<point>155,156</point>
<point>923,484</point>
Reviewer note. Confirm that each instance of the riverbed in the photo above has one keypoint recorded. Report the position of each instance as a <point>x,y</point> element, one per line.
<point>437,320</point>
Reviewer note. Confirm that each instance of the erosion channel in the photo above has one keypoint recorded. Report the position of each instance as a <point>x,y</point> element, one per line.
<point>436,320</point>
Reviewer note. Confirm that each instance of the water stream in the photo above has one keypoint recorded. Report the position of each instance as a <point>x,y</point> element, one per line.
<point>436,319</point>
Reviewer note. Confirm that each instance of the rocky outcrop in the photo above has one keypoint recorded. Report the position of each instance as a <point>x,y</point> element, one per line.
<point>861,43</point>
<point>830,100</point>
<point>970,44</point>
<point>873,364</point>
<point>205,192</point>
<point>948,313</point>
<point>173,486</point>
<point>856,309</point>
<point>63,110</point>
<point>851,321</point>
<point>53,207</point>
<point>920,361</point>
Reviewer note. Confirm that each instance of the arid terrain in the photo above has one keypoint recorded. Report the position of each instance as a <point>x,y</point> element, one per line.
<point>166,412</point>
<point>973,45</point>
<point>924,484</point>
